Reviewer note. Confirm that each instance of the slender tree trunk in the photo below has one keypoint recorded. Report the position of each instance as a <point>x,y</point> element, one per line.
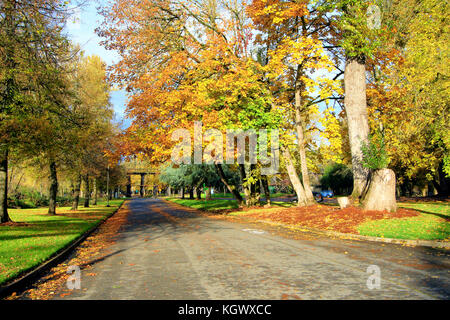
<point>357,118</point>
<point>182,193</point>
<point>95,191</point>
<point>295,181</point>
<point>87,191</point>
<point>191,193</point>
<point>231,188</point>
<point>265,184</point>
<point>443,190</point>
<point>53,188</point>
<point>76,194</point>
<point>4,217</point>
<point>208,193</point>
<point>301,145</point>
<point>199,192</point>
<point>244,183</point>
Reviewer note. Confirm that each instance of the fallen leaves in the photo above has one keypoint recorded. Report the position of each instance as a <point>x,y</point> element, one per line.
<point>328,218</point>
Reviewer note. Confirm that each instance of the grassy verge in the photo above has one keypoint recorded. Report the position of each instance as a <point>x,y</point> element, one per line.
<point>211,205</point>
<point>25,247</point>
<point>433,223</point>
<point>221,204</point>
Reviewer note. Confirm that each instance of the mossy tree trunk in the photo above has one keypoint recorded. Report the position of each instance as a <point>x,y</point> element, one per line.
<point>87,191</point>
<point>76,193</point>
<point>53,178</point>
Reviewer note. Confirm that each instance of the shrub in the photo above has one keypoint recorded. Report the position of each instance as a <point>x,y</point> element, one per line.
<point>337,177</point>
<point>374,153</point>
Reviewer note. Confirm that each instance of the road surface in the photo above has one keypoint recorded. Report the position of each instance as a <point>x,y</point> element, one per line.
<point>167,252</point>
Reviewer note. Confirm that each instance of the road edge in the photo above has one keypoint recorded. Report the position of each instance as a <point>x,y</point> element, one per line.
<point>29,277</point>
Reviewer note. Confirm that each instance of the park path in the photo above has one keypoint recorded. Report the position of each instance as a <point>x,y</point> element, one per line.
<point>165,251</point>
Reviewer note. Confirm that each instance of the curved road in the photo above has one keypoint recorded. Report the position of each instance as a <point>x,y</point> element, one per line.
<point>167,252</point>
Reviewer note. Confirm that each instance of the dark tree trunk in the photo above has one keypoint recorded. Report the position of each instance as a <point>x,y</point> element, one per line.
<point>255,188</point>
<point>358,125</point>
<point>191,193</point>
<point>87,191</point>
<point>265,184</point>
<point>53,188</point>
<point>95,192</point>
<point>142,186</point>
<point>208,193</point>
<point>182,193</point>
<point>245,186</point>
<point>231,188</point>
<point>76,194</point>
<point>128,187</point>
<point>199,193</point>
<point>4,217</point>
<point>443,190</point>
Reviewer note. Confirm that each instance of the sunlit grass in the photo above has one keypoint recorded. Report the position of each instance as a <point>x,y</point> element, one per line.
<point>24,247</point>
<point>432,224</point>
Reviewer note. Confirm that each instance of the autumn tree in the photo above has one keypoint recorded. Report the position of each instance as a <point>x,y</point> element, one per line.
<point>29,43</point>
<point>408,92</point>
<point>292,52</point>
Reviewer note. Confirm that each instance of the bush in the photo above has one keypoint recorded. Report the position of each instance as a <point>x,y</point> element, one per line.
<point>375,156</point>
<point>337,177</point>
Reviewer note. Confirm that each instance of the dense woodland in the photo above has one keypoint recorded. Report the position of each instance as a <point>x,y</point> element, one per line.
<point>358,90</point>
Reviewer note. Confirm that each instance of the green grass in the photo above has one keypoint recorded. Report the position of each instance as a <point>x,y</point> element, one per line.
<point>219,204</point>
<point>211,205</point>
<point>229,195</point>
<point>432,224</point>
<point>25,247</point>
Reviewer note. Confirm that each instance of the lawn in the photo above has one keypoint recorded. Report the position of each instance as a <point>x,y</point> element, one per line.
<point>219,204</point>
<point>24,247</point>
<point>433,223</point>
<point>210,205</point>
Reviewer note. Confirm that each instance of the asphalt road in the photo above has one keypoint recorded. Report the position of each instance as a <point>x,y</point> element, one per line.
<point>168,252</point>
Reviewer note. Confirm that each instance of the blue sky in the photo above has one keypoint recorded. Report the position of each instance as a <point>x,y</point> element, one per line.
<point>81,29</point>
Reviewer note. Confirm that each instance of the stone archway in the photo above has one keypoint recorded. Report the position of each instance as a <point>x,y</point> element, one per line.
<point>142,184</point>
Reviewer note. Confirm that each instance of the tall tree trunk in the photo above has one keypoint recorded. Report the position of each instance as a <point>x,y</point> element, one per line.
<point>443,190</point>
<point>265,184</point>
<point>245,185</point>
<point>8,100</point>
<point>301,144</point>
<point>199,192</point>
<point>94,181</point>
<point>53,188</point>
<point>4,217</point>
<point>76,194</point>
<point>182,193</point>
<point>208,193</point>
<point>191,193</point>
<point>231,188</point>
<point>295,181</point>
<point>357,118</point>
<point>87,191</point>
